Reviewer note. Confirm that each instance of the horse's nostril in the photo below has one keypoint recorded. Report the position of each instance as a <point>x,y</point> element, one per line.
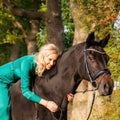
<point>94,84</point>
<point>106,87</point>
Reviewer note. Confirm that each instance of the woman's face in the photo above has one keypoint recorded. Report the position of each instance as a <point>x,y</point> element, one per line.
<point>50,60</point>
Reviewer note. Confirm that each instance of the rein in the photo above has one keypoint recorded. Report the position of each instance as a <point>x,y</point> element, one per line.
<point>60,118</point>
<point>93,98</point>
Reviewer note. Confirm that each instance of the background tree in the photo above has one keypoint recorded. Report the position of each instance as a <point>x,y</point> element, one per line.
<point>98,16</point>
<point>25,17</point>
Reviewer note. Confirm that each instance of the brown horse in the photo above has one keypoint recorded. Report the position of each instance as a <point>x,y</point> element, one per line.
<point>86,60</point>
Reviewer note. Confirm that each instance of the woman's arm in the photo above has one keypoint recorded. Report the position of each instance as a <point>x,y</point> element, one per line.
<point>25,87</point>
<point>26,67</point>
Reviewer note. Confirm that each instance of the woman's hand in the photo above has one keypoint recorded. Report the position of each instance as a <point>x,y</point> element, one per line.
<point>70,96</point>
<point>52,106</point>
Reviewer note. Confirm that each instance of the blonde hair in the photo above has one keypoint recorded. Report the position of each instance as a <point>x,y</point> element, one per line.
<point>45,50</point>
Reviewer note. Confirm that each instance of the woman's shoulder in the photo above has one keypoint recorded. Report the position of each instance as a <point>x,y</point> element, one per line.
<point>28,61</point>
<point>25,59</point>
<point>28,57</point>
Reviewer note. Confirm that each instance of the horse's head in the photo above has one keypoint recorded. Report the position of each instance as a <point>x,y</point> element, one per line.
<point>95,61</point>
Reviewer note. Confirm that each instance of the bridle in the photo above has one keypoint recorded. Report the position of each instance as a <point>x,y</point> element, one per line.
<point>93,78</point>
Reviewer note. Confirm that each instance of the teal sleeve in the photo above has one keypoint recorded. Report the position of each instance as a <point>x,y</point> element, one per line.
<point>25,82</point>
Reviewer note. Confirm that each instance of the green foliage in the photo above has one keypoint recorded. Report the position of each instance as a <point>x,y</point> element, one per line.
<point>6,27</point>
<point>98,14</point>
<point>109,107</point>
<point>41,35</point>
<point>25,4</point>
<point>112,107</point>
<point>4,54</point>
<point>68,23</point>
<point>43,6</point>
<point>9,33</point>
<point>113,49</point>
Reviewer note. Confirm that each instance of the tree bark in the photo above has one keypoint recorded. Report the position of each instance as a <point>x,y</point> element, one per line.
<point>79,107</point>
<point>31,37</point>
<point>22,12</point>
<point>79,33</point>
<point>15,51</point>
<point>55,31</point>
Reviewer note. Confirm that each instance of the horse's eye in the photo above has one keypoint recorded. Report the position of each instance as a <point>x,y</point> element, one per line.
<point>107,58</point>
<point>91,55</point>
<point>90,52</point>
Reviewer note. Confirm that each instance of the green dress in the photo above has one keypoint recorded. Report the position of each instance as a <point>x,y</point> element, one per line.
<point>21,69</point>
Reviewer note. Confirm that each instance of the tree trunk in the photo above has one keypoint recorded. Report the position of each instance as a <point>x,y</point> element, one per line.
<point>79,33</point>
<point>55,31</point>
<point>79,107</point>
<point>82,101</point>
<point>31,37</point>
<point>15,51</point>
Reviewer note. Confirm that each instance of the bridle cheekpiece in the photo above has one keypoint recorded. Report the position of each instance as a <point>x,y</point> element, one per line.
<point>93,78</point>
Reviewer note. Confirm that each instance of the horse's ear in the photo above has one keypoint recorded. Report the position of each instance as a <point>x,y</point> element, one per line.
<point>104,41</point>
<point>90,39</point>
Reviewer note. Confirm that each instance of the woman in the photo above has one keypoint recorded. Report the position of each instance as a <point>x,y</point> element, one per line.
<point>23,69</point>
